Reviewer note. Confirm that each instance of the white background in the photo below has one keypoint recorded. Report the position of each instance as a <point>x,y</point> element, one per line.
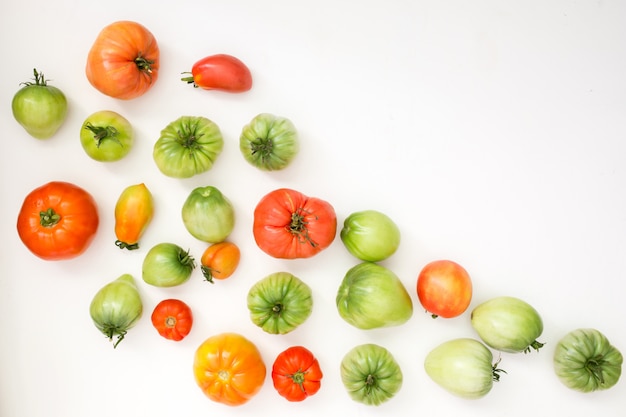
<point>492,132</point>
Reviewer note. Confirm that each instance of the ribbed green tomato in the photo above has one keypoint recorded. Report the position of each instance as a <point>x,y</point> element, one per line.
<point>188,146</point>
<point>370,235</point>
<point>585,360</point>
<point>508,324</point>
<point>208,215</point>
<point>372,296</point>
<point>269,142</point>
<point>167,265</point>
<point>462,367</point>
<point>371,374</point>
<point>279,303</point>
<point>116,308</point>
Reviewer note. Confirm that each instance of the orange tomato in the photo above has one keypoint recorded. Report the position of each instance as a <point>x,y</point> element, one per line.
<point>133,213</point>
<point>220,260</point>
<point>58,221</point>
<point>229,369</point>
<point>444,288</point>
<point>123,62</point>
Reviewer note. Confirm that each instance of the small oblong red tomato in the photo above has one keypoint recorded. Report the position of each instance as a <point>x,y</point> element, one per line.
<point>220,260</point>
<point>444,288</point>
<point>296,374</point>
<point>220,72</point>
<point>58,221</point>
<point>173,319</point>
<point>133,213</point>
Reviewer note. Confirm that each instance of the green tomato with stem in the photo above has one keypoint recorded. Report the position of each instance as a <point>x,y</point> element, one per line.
<point>269,142</point>
<point>106,136</point>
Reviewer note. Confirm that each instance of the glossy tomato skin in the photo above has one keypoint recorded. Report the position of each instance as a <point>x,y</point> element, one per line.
<point>208,215</point>
<point>371,374</point>
<point>462,367</point>
<point>444,288</point>
<point>172,318</point>
<point>106,136</point>
<point>279,303</point>
<point>167,265</point>
<point>220,260</point>
<point>229,369</point>
<point>123,62</point>
<point>58,221</point>
<point>188,146</point>
<point>39,108</point>
<point>585,360</point>
<point>134,211</point>
<point>289,225</point>
<point>296,374</point>
<point>221,72</point>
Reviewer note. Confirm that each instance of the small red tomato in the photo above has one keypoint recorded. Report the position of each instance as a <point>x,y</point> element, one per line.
<point>444,288</point>
<point>220,260</point>
<point>173,319</point>
<point>220,72</point>
<point>296,374</point>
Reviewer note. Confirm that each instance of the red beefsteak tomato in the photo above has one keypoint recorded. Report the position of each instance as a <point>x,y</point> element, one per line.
<point>58,221</point>
<point>172,318</point>
<point>123,62</point>
<point>289,225</point>
<point>296,374</point>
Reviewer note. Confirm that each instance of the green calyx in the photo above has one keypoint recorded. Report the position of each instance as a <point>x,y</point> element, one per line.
<point>101,133</point>
<point>49,218</point>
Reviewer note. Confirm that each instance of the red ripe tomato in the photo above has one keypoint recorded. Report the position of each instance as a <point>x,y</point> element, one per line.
<point>444,288</point>
<point>173,319</point>
<point>58,221</point>
<point>288,224</point>
<point>296,374</point>
<point>123,61</point>
<point>220,72</point>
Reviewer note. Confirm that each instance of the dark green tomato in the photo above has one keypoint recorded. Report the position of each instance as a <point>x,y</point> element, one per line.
<point>188,146</point>
<point>269,142</point>
<point>508,324</point>
<point>462,367</point>
<point>167,265</point>
<point>371,296</point>
<point>585,360</point>
<point>208,215</point>
<point>279,303</point>
<point>106,136</point>
<point>39,108</point>
<point>370,374</point>
<point>116,308</point>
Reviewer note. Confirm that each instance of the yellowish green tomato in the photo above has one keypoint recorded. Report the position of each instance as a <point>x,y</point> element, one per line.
<point>370,235</point>
<point>106,136</point>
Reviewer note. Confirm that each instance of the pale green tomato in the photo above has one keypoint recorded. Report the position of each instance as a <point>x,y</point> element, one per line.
<point>508,324</point>
<point>371,296</point>
<point>269,142</point>
<point>585,361</point>
<point>370,235</point>
<point>463,367</point>
<point>208,215</point>
<point>371,374</point>
<point>106,136</point>
<point>167,265</point>
<point>116,308</point>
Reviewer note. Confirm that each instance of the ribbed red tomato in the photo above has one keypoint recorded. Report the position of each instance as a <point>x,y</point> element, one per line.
<point>173,319</point>
<point>296,374</point>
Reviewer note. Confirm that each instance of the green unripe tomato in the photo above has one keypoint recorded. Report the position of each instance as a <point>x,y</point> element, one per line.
<point>106,136</point>
<point>370,235</point>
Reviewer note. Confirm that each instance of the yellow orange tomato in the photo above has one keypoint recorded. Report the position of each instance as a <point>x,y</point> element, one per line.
<point>229,369</point>
<point>220,260</point>
<point>133,213</point>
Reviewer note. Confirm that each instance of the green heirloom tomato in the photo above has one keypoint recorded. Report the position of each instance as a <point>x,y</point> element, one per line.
<point>116,308</point>
<point>370,374</point>
<point>371,296</point>
<point>106,136</point>
<point>462,367</point>
<point>585,360</point>
<point>188,146</point>
<point>208,215</point>
<point>269,142</point>
<point>39,108</point>
<point>508,324</point>
<point>279,303</point>
<point>370,235</point>
<point>167,265</point>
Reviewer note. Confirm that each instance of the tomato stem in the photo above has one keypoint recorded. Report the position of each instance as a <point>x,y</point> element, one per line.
<point>39,79</point>
<point>495,371</point>
<point>534,345</point>
<point>103,132</point>
<point>298,226</point>
<point>144,65</point>
<point>186,259</point>
<point>298,378</point>
<point>124,245</point>
<point>263,146</point>
<point>49,218</point>
<point>189,79</point>
<point>595,366</point>
<point>207,273</point>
